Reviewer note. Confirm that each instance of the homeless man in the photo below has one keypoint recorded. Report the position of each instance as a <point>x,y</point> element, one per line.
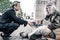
<point>47,30</point>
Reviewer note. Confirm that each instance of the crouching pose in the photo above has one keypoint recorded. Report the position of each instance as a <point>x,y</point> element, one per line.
<point>10,22</point>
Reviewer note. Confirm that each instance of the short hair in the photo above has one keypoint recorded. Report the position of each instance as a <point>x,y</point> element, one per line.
<point>15,3</point>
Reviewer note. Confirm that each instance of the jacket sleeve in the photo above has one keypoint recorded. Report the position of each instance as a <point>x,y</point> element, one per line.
<point>13,16</point>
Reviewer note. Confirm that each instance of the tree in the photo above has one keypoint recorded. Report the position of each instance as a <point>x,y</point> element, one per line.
<point>4,4</point>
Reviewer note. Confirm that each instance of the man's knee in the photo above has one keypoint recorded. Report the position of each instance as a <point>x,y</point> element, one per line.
<point>14,25</point>
<point>11,27</point>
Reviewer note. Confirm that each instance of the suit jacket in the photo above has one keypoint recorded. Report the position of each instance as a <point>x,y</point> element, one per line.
<point>10,15</point>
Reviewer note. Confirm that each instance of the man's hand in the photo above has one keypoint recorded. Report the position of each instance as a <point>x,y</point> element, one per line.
<point>31,24</point>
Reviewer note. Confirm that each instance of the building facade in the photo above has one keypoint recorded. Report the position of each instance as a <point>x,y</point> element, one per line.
<point>39,6</point>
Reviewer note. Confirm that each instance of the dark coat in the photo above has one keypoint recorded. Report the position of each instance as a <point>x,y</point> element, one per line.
<point>10,16</point>
<point>54,19</point>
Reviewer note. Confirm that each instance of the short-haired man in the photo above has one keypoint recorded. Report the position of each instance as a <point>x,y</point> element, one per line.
<point>9,16</point>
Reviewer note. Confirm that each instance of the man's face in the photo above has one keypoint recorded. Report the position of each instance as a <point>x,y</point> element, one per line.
<point>17,8</point>
<point>49,10</point>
